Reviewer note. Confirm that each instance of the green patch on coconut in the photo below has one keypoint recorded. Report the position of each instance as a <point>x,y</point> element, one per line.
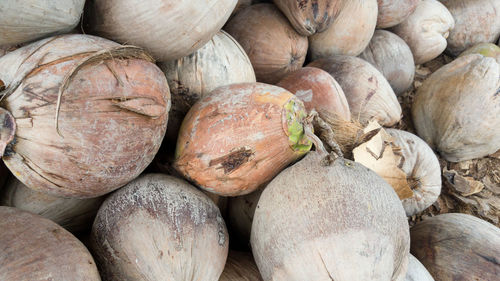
<point>295,114</point>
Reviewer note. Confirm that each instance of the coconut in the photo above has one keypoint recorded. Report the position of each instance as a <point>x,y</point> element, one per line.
<point>393,12</point>
<point>159,228</point>
<point>367,91</point>
<point>350,226</point>
<point>242,4</point>
<point>457,109</point>
<point>168,29</point>
<point>393,58</point>
<point>240,216</point>
<point>457,247</point>
<point>87,114</point>
<point>27,20</point>
<point>309,17</point>
<point>273,46</point>
<point>240,136</point>
<point>36,249</point>
<point>417,271</point>
<point>222,61</point>
<point>240,266</point>
<point>476,21</point>
<point>485,49</point>
<point>347,35</point>
<point>426,29</point>
<point>73,214</point>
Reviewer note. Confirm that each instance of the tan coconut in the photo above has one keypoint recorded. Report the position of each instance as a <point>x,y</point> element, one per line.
<point>417,271</point>
<point>350,32</point>
<point>240,266</point>
<point>272,44</point>
<point>159,228</point>
<point>393,12</point>
<point>457,109</point>
<point>393,58</point>
<point>476,21</point>
<point>426,29</point>
<point>368,93</point>
<point>169,29</point>
<point>36,249</point>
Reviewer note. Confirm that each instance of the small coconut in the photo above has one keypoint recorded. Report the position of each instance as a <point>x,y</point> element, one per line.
<point>240,216</point>
<point>417,271</point>
<point>457,109</point>
<point>393,58</point>
<point>222,61</point>
<point>159,228</point>
<point>426,29</point>
<point>27,20</point>
<point>240,266</point>
<point>273,46</point>
<point>457,247</point>
<point>367,91</point>
<point>310,17</point>
<point>33,248</point>
<point>348,34</point>
<point>393,12</point>
<point>240,136</point>
<point>324,219</point>
<point>476,21</point>
<point>72,214</point>
<point>485,49</point>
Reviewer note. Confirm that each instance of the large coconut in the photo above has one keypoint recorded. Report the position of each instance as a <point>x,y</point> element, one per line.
<point>393,12</point>
<point>26,20</point>
<point>350,32</point>
<point>33,248</point>
<point>324,220</point>
<point>273,46</point>
<point>159,228</point>
<point>169,29</point>
<point>240,266</point>
<point>87,114</point>
<point>457,108</point>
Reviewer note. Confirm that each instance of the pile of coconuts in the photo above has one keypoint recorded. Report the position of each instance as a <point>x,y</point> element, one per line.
<point>250,140</point>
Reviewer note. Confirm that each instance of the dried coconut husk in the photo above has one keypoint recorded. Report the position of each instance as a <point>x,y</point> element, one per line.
<point>272,44</point>
<point>350,31</point>
<point>417,271</point>
<point>393,12</point>
<point>476,21</point>
<point>240,266</point>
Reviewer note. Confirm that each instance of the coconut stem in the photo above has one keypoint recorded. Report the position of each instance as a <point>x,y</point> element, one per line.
<point>325,133</point>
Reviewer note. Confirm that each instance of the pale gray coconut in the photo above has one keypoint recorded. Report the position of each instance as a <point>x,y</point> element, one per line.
<point>393,12</point>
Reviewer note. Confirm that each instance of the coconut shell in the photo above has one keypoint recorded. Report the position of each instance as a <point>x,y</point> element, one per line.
<point>27,20</point>
<point>310,17</point>
<point>222,61</point>
<point>272,44</point>
<point>240,136</point>
<point>486,49</point>
<point>470,127</point>
<point>393,12</point>
<point>168,29</point>
<point>159,228</point>
<point>72,214</point>
<point>393,58</point>
<point>367,91</point>
<point>457,247</point>
<point>110,123</point>
<point>240,216</point>
<point>417,271</point>
<point>476,21</point>
<point>240,266</point>
<point>347,35</point>
<point>36,249</point>
<point>426,29</point>
<point>350,226</point>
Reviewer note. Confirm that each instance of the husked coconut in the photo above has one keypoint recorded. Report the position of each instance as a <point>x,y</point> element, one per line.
<point>457,247</point>
<point>393,12</point>
<point>368,93</point>
<point>27,20</point>
<point>330,219</point>
<point>33,248</point>
<point>393,58</point>
<point>169,29</point>
<point>426,30</point>
<point>83,115</point>
<point>457,108</point>
<point>417,271</point>
<point>272,44</point>
<point>72,214</point>
<point>222,61</point>
<point>350,32</point>
<point>476,21</point>
<point>240,266</point>
<point>159,228</point>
